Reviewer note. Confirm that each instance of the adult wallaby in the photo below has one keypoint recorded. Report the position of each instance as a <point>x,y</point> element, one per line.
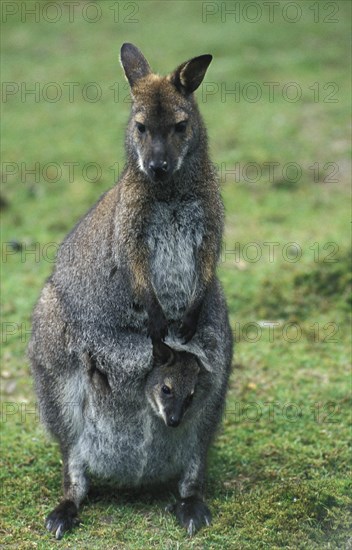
<point>141,261</point>
<point>154,429</point>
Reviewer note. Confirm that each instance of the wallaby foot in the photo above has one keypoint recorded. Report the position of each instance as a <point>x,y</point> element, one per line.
<point>191,513</point>
<point>62,518</point>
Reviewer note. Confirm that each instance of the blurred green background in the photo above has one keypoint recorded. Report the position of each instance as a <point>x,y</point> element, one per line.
<point>276,100</point>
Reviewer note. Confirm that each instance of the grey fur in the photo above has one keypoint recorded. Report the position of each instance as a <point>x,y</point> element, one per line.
<point>90,352</point>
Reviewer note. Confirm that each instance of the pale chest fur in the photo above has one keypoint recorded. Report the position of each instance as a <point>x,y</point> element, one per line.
<point>174,237</point>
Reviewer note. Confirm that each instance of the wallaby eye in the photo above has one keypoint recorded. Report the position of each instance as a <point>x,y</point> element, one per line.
<point>166,390</point>
<point>141,128</point>
<point>180,127</point>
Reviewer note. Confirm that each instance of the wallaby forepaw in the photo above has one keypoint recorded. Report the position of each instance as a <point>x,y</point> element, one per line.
<point>63,518</point>
<point>189,323</point>
<point>187,329</point>
<point>157,329</point>
<point>192,514</point>
<point>186,334</point>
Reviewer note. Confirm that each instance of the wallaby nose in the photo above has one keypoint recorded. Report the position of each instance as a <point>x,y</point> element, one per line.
<point>173,421</point>
<point>158,168</point>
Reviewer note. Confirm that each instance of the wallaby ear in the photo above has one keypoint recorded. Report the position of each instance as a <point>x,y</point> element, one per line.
<point>162,353</point>
<point>190,74</point>
<point>134,63</point>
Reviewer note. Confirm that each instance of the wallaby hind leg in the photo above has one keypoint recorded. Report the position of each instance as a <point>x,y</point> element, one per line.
<point>191,511</point>
<point>65,516</point>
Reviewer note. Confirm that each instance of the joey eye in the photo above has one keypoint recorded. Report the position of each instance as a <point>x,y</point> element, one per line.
<point>141,127</point>
<point>180,127</point>
<point>166,390</point>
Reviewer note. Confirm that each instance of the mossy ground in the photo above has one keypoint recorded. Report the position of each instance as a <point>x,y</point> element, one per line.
<point>279,469</point>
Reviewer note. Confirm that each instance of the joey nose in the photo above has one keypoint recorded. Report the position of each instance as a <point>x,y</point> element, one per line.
<point>173,421</point>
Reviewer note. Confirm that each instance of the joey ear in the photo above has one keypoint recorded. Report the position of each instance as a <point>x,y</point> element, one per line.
<point>134,63</point>
<point>188,76</point>
<point>162,353</point>
<point>199,365</point>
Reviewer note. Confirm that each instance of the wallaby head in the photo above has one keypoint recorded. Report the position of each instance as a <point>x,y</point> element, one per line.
<point>165,127</point>
<point>172,382</point>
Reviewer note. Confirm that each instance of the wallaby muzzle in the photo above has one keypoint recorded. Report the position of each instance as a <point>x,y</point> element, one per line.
<point>158,169</point>
<point>174,416</point>
<point>158,165</point>
<point>173,421</point>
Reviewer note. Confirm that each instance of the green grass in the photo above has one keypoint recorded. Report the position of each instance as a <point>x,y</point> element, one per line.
<point>279,469</point>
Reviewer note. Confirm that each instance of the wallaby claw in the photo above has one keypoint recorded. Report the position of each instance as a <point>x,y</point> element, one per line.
<point>192,514</point>
<point>63,518</point>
